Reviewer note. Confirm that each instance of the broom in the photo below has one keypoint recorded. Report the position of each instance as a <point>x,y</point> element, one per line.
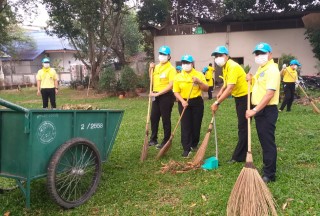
<point>145,146</point>
<point>314,107</point>
<point>250,196</point>
<point>198,158</point>
<point>168,144</point>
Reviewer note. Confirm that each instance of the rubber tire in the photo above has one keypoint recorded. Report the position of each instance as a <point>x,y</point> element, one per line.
<point>54,162</point>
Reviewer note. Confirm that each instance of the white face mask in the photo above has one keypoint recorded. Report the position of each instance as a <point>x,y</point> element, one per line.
<point>163,58</point>
<point>46,65</point>
<point>220,61</point>
<point>187,67</point>
<point>261,59</point>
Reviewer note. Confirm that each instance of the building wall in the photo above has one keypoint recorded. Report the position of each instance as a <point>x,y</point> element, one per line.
<point>25,71</point>
<point>241,44</point>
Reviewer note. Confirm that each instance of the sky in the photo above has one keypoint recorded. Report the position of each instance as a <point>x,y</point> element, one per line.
<point>42,16</point>
<point>38,19</point>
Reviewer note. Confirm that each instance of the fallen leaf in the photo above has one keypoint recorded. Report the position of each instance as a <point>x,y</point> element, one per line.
<point>204,197</point>
<point>193,205</point>
<point>286,204</point>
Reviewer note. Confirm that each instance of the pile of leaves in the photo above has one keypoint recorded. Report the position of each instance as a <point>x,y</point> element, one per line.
<point>78,107</point>
<point>174,167</point>
<point>305,101</point>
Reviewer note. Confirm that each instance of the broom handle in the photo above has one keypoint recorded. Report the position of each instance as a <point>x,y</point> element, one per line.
<point>184,108</point>
<point>215,133</point>
<point>248,120</point>
<point>150,90</point>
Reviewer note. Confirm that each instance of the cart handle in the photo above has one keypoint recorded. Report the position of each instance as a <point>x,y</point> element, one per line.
<point>12,106</point>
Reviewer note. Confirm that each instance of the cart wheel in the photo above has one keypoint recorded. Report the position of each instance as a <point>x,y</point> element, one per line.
<point>74,173</point>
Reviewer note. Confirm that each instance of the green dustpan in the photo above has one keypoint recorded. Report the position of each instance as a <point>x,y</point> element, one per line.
<point>212,162</point>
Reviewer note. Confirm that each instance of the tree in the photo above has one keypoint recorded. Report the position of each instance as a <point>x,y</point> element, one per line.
<point>241,9</point>
<point>10,18</point>
<point>7,19</point>
<point>91,26</point>
<point>188,11</point>
<point>314,38</point>
<point>129,39</point>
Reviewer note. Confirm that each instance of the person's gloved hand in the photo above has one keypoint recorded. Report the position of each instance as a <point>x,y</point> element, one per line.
<point>284,66</point>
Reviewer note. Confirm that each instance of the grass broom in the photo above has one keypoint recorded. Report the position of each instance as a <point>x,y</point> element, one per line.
<point>314,107</point>
<point>250,196</point>
<point>168,144</point>
<point>144,152</point>
<point>198,158</point>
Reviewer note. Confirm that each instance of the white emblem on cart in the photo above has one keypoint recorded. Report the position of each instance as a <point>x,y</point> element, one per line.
<point>46,132</point>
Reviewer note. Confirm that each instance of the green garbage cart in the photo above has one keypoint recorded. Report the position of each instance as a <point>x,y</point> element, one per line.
<point>66,146</point>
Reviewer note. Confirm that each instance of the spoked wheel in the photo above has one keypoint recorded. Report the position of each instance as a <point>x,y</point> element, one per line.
<point>74,173</point>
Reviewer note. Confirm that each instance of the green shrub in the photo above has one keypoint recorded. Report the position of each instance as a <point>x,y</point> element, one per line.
<point>128,79</point>
<point>108,81</point>
<point>246,68</point>
<point>143,80</point>
<point>75,83</point>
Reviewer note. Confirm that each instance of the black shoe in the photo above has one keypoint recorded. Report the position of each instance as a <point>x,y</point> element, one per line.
<point>186,154</point>
<point>232,161</point>
<point>194,149</point>
<point>267,179</point>
<point>160,146</point>
<point>153,143</point>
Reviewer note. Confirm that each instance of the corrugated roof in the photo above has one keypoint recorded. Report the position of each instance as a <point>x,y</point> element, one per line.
<point>43,42</point>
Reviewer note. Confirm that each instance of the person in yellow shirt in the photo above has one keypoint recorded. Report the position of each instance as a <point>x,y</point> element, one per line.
<point>235,84</point>
<point>212,70</point>
<point>190,84</point>
<point>290,77</point>
<point>208,73</point>
<point>265,99</point>
<point>47,84</point>
<point>178,69</point>
<point>163,98</point>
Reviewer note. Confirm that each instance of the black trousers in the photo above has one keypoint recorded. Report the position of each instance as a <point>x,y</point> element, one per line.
<point>210,90</point>
<point>266,120</point>
<point>191,123</point>
<point>162,107</point>
<point>289,89</point>
<point>48,93</point>
<point>241,149</point>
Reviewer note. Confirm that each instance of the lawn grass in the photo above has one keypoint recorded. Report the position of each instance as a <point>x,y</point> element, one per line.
<point>128,187</point>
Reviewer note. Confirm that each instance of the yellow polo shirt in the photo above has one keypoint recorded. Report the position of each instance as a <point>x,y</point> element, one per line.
<point>266,78</point>
<point>290,75</point>
<point>209,76</point>
<point>183,83</point>
<point>47,76</point>
<point>162,76</point>
<point>234,74</point>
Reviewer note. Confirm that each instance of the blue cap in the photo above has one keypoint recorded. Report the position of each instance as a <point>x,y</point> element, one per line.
<point>179,68</point>
<point>45,60</point>
<point>165,50</point>
<point>205,69</point>
<point>295,62</point>
<point>220,50</point>
<point>263,47</point>
<point>187,58</point>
